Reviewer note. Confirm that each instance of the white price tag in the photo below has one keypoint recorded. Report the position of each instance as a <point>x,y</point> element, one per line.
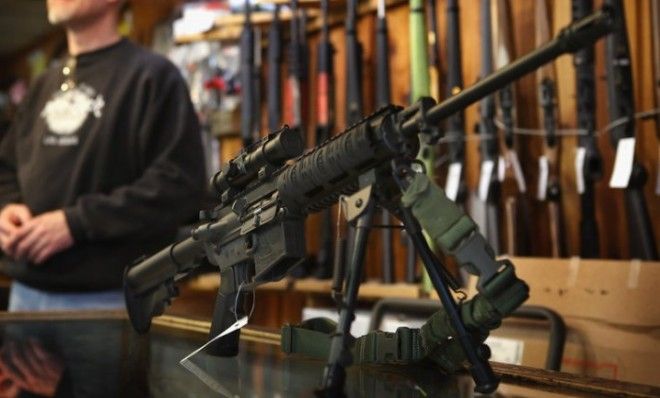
<point>453,180</point>
<point>543,178</point>
<point>512,157</point>
<point>487,167</point>
<point>580,154</point>
<point>506,350</point>
<point>623,163</point>
<point>501,169</point>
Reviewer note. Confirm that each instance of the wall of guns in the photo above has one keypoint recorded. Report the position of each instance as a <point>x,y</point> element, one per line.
<point>563,163</point>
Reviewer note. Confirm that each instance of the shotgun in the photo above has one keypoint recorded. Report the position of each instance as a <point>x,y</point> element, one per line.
<point>325,113</point>
<point>549,190</point>
<point>383,98</point>
<point>274,72</point>
<point>588,166</point>
<point>622,107</point>
<point>488,190</point>
<point>517,216</point>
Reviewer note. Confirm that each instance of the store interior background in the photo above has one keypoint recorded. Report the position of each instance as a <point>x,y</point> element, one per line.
<point>24,30</point>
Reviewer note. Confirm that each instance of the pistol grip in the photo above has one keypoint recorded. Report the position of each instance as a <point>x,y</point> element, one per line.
<point>229,307</point>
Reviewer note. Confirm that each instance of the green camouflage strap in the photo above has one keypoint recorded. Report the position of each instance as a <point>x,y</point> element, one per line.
<point>433,341</point>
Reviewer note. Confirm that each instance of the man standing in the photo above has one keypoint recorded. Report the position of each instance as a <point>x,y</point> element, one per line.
<point>102,163</point>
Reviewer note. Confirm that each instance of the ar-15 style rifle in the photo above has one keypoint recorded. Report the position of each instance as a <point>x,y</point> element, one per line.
<point>325,114</point>
<point>549,188</point>
<point>590,169</point>
<point>516,207</point>
<point>622,107</point>
<point>488,190</point>
<point>256,233</point>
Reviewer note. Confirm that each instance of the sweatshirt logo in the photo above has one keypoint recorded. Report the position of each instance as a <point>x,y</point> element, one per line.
<point>66,112</point>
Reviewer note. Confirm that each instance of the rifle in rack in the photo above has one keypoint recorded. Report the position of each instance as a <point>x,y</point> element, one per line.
<point>383,98</point>
<point>488,190</point>
<point>274,72</point>
<point>257,232</point>
<point>655,21</point>
<point>513,187</point>
<point>622,111</point>
<point>455,128</point>
<point>589,163</point>
<point>549,189</point>
<point>294,110</point>
<point>354,113</point>
<point>325,122</point>
<point>434,50</point>
<point>249,105</point>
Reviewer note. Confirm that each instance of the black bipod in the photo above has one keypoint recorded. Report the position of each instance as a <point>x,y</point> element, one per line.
<point>481,371</point>
<point>361,207</point>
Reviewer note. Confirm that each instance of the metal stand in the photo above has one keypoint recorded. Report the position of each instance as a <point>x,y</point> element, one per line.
<point>334,373</point>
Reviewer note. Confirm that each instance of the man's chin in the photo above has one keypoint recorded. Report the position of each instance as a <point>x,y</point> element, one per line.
<point>60,17</point>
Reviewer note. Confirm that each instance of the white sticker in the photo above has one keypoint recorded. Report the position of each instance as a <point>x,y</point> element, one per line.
<point>505,350</point>
<point>623,163</point>
<point>580,154</point>
<point>501,169</point>
<point>453,180</point>
<point>487,167</point>
<point>543,178</point>
<point>513,161</point>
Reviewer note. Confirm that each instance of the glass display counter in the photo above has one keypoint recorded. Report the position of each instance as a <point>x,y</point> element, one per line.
<point>99,355</point>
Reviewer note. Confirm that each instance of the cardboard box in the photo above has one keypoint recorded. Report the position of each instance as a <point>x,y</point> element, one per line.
<point>610,307</point>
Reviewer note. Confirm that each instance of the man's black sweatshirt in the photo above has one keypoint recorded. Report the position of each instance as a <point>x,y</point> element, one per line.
<point>119,150</point>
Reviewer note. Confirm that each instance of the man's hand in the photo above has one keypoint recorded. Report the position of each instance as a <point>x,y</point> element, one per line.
<point>12,217</point>
<point>41,237</point>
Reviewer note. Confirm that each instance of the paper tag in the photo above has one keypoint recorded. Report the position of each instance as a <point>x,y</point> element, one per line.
<point>580,154</point>
<point>453,180</point>
<point>501,169</point>
<point>543,178</point>
<point>623,163</point>
<point>505,350</point>
<point>487,167</point>
<point>512,157</point>
<point>237,325</point>
<point>206,378</point>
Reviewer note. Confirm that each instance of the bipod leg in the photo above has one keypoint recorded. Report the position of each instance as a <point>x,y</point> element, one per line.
<point>482,374</point>
<point>334,374</point>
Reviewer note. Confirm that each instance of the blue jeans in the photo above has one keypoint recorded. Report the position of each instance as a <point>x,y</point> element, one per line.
<point>26,298</point>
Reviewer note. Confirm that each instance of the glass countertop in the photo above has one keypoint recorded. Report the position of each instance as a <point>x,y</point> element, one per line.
<point>101,356</point>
